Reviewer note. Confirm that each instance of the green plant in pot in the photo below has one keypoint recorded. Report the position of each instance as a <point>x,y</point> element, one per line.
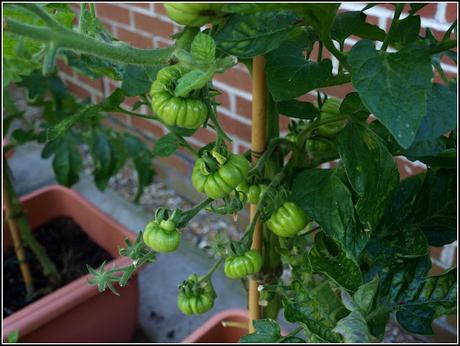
<point>354,238</point>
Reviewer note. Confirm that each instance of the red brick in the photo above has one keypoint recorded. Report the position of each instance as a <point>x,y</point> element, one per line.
<point>235,127</point>
<point>112,12</point>
<point>135,39</point>
<point>412,169</point>
<point>435,252</point>
<point>243,107</point>
<point>224,100</point>
<point>242,148</point>
<point>435,270</point>
<point>147,126</point>
<point>93,83</point>
<point>161,44</point>
<point>153,25</point>
<point>64,68</point>
<point>205,135</point>
<point>124,118</point>
<point>78,90</point>
<point>339,91</point>
<point>451,12</point>
<point>159,8</point>
<point>237,78</point>
<point>428,11</point>
<point>182,167</point>
<point>144,5</point>
<point>284,122</point>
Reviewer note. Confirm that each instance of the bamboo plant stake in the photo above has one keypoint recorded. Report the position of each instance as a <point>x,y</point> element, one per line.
<point>258,144</point>
<point>18,248</point>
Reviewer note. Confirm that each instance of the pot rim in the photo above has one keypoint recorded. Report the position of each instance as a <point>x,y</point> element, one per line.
<point>38,313</point>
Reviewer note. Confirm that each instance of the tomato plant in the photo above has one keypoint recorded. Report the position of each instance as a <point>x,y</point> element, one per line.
<point>354,236</point>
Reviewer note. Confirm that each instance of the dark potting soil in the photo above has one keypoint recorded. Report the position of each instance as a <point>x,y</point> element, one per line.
<point>67,245</point>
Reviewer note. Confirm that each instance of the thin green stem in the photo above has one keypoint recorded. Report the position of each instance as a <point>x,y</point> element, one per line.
<point>221,135</point>
<point>190,214</point>
<point>186,145</point>
<point>41,13</point>
<point>69,39</point>
<point>140,115</point>
<point>268,152</point>
<point>394,23</point>
<point>213,269</point>
<point>92,9</point>
<point>443,46</point>
<point>338,54</point>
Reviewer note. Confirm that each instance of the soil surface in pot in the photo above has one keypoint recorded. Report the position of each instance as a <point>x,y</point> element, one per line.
<point>67,245</point>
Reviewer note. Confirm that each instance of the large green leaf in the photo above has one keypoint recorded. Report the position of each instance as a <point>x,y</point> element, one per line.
<point>371,170</point>
<point>319,16</point>
<point>354,23</point>
<point>268,331</point>
<point>142,158</point>
<point>441,112</point>
<point>393,86</point>
<point>166,145</point>
<point>317,311</point>
<point>248,35</point>
<point>108,157</point>
<point>297,109</point>
<point>426,299</point>
<point>290,74</point>
<point>138,79</point>
<point>324,197</point>
<point>435,210</point>
<point>353,328</point>
<point>401,204</point>
<point>327,257</point>
<point>405,31</point>
<point>67,161</point>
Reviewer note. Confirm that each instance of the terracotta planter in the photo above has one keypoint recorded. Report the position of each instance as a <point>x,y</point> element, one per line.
<point>212,330</point>
<point>77,312</point>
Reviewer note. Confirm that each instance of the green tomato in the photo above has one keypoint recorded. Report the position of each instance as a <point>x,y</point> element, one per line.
<point>162,236</point>
<point>195,298</point>
<point>288,220</point>
<point>192,14</point>
<point>224,179</point>
<point>182,112</point>
<point>253,192</point>
<point>237,267</point>
<point>330,109</point>
<point>320,146</point>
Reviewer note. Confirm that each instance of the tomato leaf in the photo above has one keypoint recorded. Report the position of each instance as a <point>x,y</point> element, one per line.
<point>366,161</point>
<point>405,31</point>
<point>354,23</point>
<point>441,112</point>
<point>297,109</point>
<point>290,74</point>
<point>203,48</point>
<point>393,86</point>
<point>67,161</point>
<point>138,79</point>
<point>166,145</point>
<point>324,198</point>
<point>248,35</point>
<point>327,257</point>
<point>353,328</point>
<point>142,158</point>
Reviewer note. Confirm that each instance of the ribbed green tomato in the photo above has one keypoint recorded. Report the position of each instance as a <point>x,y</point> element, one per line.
<point>188,113</point>
<point>162,236</point>
<point>288,220</point>
<point>237,267</point>
<point>225,179</point>
<point>330,109</point>
<point>253,192</point>
<point>192,14</point>
<point>320,146</point>
<point>194,298</point>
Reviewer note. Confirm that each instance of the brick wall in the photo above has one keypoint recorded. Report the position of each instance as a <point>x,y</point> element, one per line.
<point>145,25</point>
